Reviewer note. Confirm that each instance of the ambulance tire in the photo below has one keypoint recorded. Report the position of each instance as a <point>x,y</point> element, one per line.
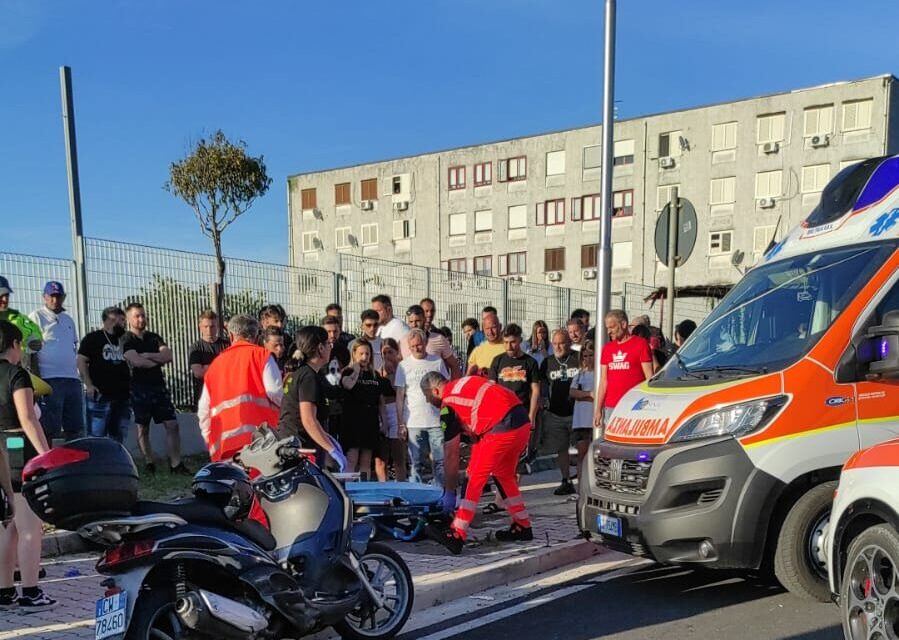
<point>795,562</point>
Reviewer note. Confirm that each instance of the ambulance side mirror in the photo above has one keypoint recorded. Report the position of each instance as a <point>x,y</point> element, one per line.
<point>881,348</point>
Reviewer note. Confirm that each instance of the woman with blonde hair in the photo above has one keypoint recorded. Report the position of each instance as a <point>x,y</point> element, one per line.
<point>363,408</point>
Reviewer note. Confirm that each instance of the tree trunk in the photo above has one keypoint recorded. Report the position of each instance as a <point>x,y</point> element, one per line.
<point>219,283</point>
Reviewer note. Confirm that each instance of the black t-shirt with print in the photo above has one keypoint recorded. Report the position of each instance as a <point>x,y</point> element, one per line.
<point>148,343</point>
<point>558,374</point>
<point>516,374</point>
<point>303,385</point>
<point>203,353</point>
<point>12,378</point>
<point>106,364</point>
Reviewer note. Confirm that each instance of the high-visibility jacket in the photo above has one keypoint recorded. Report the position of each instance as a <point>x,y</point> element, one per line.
<point>480,403</point>
<point>238,403</point>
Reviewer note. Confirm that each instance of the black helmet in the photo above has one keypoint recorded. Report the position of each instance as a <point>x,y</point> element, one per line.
<point>227,486</point>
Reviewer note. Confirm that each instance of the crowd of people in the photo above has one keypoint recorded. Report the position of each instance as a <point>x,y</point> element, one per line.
<point>394,398</point>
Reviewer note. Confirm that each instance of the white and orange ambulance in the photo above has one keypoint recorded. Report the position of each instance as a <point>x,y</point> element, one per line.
<point>729,456</point>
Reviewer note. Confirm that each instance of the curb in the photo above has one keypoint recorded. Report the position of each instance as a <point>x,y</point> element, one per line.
<point>61,543</point>
<point>431,592</point>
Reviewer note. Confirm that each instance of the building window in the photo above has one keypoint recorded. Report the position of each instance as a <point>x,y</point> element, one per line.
<point>307,199</point>
<point>769,184</point>
<point>554,259</point>
<point>815,177</point>
<point>622,255</point>
<point>342,193</point>
<point>670,144</point>
<point>723,191</point>
<point>555,163</point>
<point>589,256</point>
<point>369,235</point>
<point>370,189</point>
<point>586,208</point>
<point>456,178</point>
<point>857,115</point>
<point>512,169</point>
<point>459,265</point>
<point>403,229</point>
<point>310,241</point>
<point>623,203</point>
<point>818,121</point>
<point>518,216</point>
<point>342,237</point>
<point>724,136</point>
<point>551,212</point>
<point>483,220</point>
<point>623,153</point>
<point>483,265</point>
<point>663,195</point>
<point>720,242</point>
<point>458,223</point>
<point>483,174</point>
<point>592,157</point>
<point>511,264</point>
<point>770,128</point>
<point>397,183</point>
<point>761,238</point>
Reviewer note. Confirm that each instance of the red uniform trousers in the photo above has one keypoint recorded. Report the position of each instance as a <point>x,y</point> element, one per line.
<point>494,454</point>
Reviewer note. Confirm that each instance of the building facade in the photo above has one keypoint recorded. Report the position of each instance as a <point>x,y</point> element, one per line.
<point>528,208</point>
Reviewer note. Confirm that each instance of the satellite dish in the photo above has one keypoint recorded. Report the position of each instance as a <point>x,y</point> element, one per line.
<point>737,258</point>
<point>684,143</point>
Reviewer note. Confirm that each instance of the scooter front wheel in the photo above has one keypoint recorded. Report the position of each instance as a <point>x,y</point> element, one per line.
<point>391,579</point>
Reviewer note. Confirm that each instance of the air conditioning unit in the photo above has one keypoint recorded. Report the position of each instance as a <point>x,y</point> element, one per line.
<point>589,274</point>
<point>820,141</point>
<point>401,206</point>
<point>516,278</point>
<point>771,147</point>
<point>367,205</point>
<point>554,276</point>
<point>666,162</point>
<point>766,203</point>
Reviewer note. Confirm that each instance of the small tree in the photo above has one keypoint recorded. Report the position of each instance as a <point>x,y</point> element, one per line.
<point>220,182</point>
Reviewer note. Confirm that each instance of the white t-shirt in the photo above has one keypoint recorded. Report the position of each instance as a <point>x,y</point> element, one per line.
<point>57,357</point>
<point>583,409</point>
<point>395,329</point>
<point>419,413</point>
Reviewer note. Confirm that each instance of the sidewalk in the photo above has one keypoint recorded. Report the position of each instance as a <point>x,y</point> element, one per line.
<point>439,576</point>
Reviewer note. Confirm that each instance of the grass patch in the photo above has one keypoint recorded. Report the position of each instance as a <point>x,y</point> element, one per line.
<point>163,485</point>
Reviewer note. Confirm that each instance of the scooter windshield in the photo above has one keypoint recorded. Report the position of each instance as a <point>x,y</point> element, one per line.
<point>774,315</point>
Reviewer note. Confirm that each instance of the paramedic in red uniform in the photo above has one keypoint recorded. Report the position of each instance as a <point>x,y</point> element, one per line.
<point>242,389</point>
<point>500,427</point>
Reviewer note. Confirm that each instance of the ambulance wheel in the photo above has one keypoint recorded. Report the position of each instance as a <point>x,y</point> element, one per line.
<point>800,562</point>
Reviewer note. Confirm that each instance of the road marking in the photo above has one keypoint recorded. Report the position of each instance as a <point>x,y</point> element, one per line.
<point>50,628</point>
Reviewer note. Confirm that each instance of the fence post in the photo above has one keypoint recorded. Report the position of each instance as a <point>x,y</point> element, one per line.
<point>507,305</point>
<point>429,293</point>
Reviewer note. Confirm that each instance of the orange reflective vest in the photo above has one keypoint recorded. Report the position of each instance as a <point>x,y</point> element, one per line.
<point>480,403</point>
<point>238,403</point>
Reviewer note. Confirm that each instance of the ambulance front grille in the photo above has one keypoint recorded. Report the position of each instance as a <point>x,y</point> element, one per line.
<point>629,477</point>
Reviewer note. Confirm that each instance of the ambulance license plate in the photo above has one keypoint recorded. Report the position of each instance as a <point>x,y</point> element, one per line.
<point>110,619</point>
<point>608,525</point>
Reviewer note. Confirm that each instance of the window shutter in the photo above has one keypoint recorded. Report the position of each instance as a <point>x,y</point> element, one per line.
<point>664,145</point>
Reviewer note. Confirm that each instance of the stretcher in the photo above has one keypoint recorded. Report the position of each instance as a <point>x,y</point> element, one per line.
<point>398,510</point>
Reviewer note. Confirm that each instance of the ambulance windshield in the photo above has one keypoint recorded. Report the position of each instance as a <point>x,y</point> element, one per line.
<point>775,314</point>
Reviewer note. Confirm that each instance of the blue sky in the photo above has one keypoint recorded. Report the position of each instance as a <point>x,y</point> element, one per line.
<point>318,84</point>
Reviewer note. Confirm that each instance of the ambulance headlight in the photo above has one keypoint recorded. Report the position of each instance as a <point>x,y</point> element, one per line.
<point>733,420</point>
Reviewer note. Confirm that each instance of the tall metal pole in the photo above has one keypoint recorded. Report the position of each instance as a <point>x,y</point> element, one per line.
<point>68,122</point>
<point>673,225</point>
<point>604,276</point>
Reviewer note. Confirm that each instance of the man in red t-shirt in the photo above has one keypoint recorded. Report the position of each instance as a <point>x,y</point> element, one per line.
<point>626,362</point>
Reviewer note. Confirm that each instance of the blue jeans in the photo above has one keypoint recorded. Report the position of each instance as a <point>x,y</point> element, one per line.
<point>421,443</point>
<point>109,417</point>
<point>62,412</point>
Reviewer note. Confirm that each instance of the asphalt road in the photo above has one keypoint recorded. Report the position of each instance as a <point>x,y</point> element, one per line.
<point>649,602</point>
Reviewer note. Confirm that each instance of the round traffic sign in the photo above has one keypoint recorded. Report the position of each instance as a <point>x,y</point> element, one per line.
<point>686,232</point>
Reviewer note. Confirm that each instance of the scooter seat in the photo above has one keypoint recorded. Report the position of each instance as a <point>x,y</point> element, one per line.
<point>201,512</point>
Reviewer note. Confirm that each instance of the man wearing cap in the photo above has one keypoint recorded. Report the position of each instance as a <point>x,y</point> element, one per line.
<point>31,333</point>
<point>62,412</point>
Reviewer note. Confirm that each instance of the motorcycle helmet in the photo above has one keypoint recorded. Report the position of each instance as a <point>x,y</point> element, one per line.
<point>227,486</point>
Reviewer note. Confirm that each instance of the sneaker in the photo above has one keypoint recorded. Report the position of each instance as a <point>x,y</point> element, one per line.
<point>445,536</point>
<point>10,601</point>
<point>515,533</point>
<point>565,489</point>
<point>180,469</point>
<point>150,469</point>
<point>40,602</point>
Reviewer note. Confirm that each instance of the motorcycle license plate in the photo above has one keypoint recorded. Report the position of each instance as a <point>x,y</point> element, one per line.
<point>609,525</point>
<point>111,616</point>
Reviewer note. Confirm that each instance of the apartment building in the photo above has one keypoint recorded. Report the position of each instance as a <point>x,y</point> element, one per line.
<point>529,208</point>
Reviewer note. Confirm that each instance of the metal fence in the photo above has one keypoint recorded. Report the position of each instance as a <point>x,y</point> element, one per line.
<point>176,286</point>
